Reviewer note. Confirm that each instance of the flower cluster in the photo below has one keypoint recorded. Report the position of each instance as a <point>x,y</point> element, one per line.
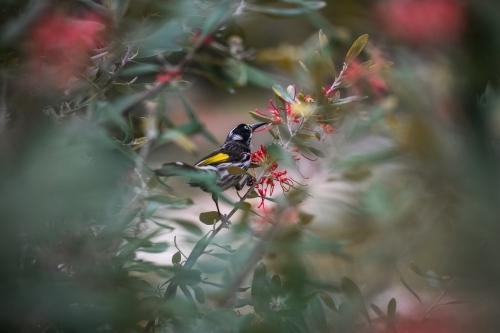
<point>265,185</point>
<point>63,44</point>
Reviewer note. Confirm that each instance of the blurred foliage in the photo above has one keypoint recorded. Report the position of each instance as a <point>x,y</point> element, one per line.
<point>397,228</point>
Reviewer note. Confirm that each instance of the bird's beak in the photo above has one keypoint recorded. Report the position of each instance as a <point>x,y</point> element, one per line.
<point>257,125</point>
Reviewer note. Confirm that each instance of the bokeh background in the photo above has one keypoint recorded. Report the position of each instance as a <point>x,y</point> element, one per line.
<point>409,184</point>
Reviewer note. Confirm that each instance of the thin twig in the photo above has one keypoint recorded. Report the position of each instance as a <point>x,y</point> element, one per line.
<point>3,101</point>
<point>117,72</point>
<point>177,247</point>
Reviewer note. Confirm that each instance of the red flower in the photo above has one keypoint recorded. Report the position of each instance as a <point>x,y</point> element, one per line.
<point>291,115</point>
<point>168,76</point>
<point>423,21</point>
<point>64,43</point>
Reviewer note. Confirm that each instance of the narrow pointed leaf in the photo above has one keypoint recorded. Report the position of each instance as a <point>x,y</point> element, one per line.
<point>356,48</point>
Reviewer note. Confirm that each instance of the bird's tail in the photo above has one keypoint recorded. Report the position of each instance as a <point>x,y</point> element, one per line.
<point>195,177</point>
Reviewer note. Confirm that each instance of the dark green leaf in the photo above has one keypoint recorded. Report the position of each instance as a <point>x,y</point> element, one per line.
<point>176,258</point>
<point>243,205</point>
<point>356,48</point>
<point>391,315</point>
<point>354,294</point>
<point>259,292</point>
<point>188,226</point>
<point>225,247</point>
<point>199,294</point>
<point>377,310</point>
<point>209,218</point>
<point>155,247</point>
<point>316,152</point>
<point>318,315</point>
<point>412,291</point>
<point>283,94</point>
<point>305,218</point>
<point>287,12</point>
<point>328,300</point>
<point>234,170</point>
<point>197,252</point>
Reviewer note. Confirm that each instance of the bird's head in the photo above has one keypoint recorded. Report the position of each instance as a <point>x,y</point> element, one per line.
<point>243,132</point>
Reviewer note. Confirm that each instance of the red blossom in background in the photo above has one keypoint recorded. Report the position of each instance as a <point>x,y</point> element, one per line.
<point>357,71</point>
<point>423,21</point>
<point>64,43</point>
<point>168,76</point>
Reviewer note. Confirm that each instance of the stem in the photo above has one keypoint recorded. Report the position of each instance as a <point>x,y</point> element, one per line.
<point>337,81</point>
<point>433,306</point>
<point>117,72</point>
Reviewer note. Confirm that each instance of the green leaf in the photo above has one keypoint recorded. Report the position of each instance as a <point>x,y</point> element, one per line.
<point>413,292</point>
<point>356,48</point>
<point>318,315</point>
<point>196,253</point>
<point>287,12</point>
<point>225,247</point>
<point>354,294</point>
<point>199,294</point>
<point>209,218</point>
<point>316,152</point>
<point>217,15</point>
<point>154,247</point>
<point>141,69</point>
<point>305,219</point>
<point>283,94</point>
<point>258,77</point>
<point>259,117</point>
<point>243,205</point>
<point>234,170</point>
<point>377,310</point>
<point>328,300</point>
<point>259,292</point>
<point>276,285</point>
<point>391,315</point>
<point>176,258</point>
<point>188,226</point>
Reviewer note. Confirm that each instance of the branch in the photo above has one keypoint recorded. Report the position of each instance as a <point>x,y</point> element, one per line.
<point>117,72</point>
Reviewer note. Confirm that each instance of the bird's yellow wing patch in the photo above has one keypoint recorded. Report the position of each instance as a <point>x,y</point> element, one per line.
<point>217,158</point>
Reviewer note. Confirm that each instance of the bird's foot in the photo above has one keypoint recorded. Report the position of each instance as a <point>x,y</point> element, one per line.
<point>225,222</point>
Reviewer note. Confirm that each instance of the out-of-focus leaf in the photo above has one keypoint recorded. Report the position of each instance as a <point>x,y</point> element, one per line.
<point>276,285</point>
<point>243,205</point>
<point>209,218</point>
<point>354,294</point>
<point>391,315</point>
<point>224,247</point>
<point>377,310</point>
<point>199,294</point>
<point>216,16</point>
<point>259,290</point>
<point>328,300</point>
<point>283,94</point>
<point>356,48</point>
<point>196,253</point>
<point>316,152</point>
<point>176,258</point>
<point>259,78</point>
<point>141,69</point>
<point>259,117</point>
<point>188,276</point>
<point>188,226</point>
<point>222,256</point>
<point>318,315</point>
<point>413,292</point>
<point>155,247</point>
<point>287,12</point>
<point>305,219</point>
<point>234,170</point>
<point>241,302</point>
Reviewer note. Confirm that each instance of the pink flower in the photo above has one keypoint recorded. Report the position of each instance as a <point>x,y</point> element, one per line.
<point>423,21</point>
<point>63,43</point>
